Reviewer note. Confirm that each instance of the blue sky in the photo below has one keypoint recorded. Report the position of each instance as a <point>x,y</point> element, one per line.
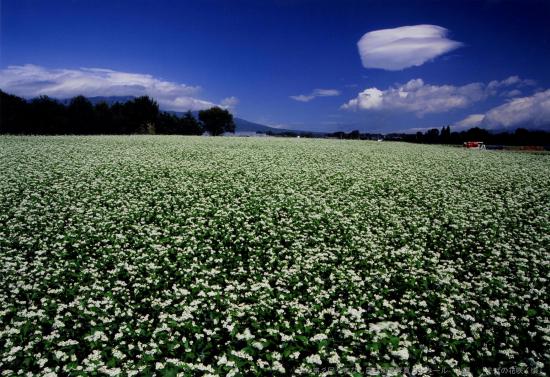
<point>293,64</point>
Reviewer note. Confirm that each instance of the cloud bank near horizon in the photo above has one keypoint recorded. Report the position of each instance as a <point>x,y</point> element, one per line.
<point>403,47</point>
<point>421,98</point>
<point>31,81</point>
<point>418,97</point>
<point>531,111</point>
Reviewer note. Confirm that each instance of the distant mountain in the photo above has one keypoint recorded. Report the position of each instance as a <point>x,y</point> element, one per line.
<point>98,99</point>
<point>544,127</point>
<point>243,126</point>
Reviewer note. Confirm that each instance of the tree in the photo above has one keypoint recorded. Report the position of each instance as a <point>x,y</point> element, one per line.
<point>81,116</point>
<point>13,114</point>
<point>188,125</point>
<point>432,135</point>
<point>119,122</point>
<point>477,134</point>
<point>171,124</point>
<point>167,124</point>
<point>47,117</point>
<point>354,134</point>
<point>521,136</point>
<point>216,121</point>
<point>445,134</point>
<point>141,114</point>
<point>103,119</point>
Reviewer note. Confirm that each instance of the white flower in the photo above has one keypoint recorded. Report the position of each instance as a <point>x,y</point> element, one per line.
<point>286,338</point>
<point>451,362</point>
<point>278,367</point>
<point>42,362</point>
<point>334,359</point>
<point>246,335</point>
<point>258,345</point>
<point>319,337</point>
<point>314,359</point>
<point>420,370</point>
<point>383,326</point>
<point>401,353</point>
<point>295,355</point>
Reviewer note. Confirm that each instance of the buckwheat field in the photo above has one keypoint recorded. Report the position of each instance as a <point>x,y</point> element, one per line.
<point>151,255</point>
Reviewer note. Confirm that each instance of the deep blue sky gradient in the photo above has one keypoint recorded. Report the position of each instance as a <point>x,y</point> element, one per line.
<point>264,51</point>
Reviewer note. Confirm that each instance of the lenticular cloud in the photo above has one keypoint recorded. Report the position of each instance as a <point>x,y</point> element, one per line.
<point>403,47</point>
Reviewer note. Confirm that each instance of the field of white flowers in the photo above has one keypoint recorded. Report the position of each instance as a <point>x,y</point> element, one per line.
<point>146,255</point>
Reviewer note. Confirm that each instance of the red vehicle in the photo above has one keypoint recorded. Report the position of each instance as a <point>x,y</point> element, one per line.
<point>474,144</point>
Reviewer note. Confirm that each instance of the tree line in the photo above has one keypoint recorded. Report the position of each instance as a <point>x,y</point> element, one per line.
<point>141,115</point>
<point>520,136</point>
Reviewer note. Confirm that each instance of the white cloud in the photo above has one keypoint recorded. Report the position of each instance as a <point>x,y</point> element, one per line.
<point>470,121</point>
<point>420,98</point>
<point>302,98</point>
<point>326,92</point>
<point>316,93</point>
<point>230,102</point>
<point>278,125</point>
<point>403,47</point>
<point>511,93</point>
<point>31,81</point>
<point>368,99</point>
<point>417,97</point>
<point>513,81</point>
<point>532,111</point>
